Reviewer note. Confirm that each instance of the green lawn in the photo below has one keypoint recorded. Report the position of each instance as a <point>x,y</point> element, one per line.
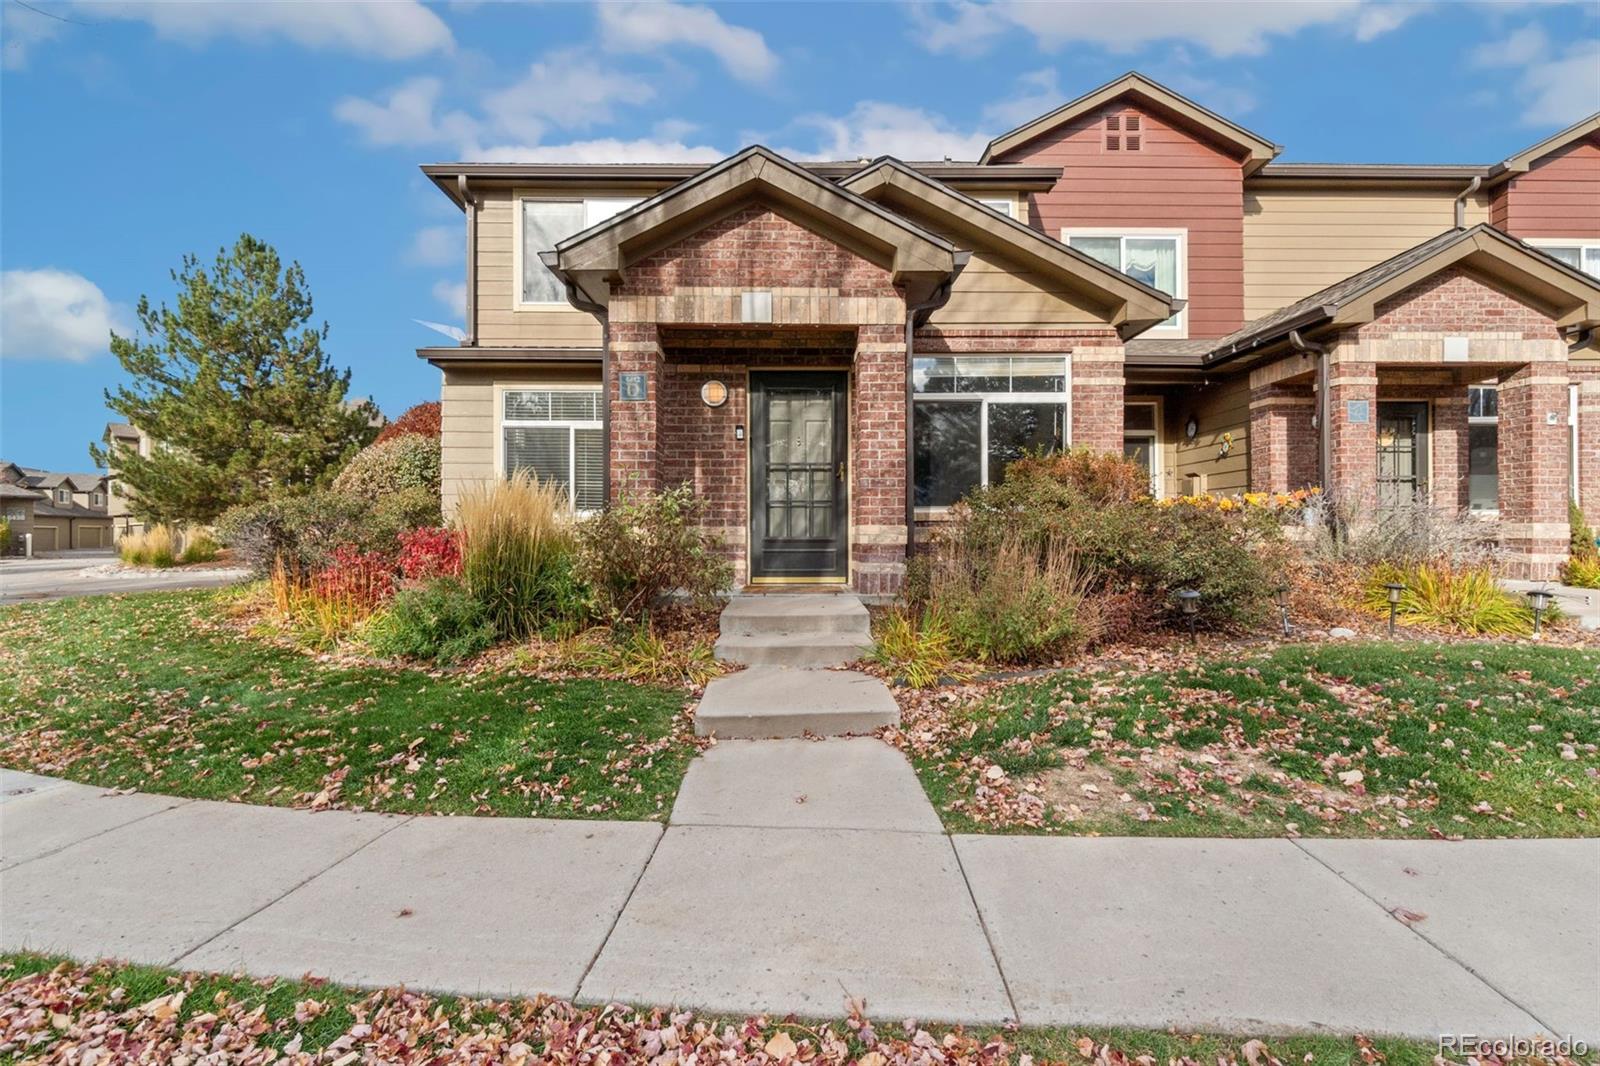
<point>1348,739</point>
<point>423,1026</point>
<point>151,692</point>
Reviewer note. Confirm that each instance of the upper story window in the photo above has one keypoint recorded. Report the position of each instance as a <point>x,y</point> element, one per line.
<point>975,415</point>
<point>97,499</point>
<point>1006,205</point>
<point>1159,258</point>
<point>556,435</point>
<point>1581,255</point>
<point>63,495</point>
<point>542,223</point>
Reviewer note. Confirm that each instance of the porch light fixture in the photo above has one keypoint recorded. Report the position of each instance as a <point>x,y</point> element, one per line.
<point>1539,600</point>
<point>714,393</point>
<point>1189,601</point>
<point>1395,589</point>
<point>1281,596</point>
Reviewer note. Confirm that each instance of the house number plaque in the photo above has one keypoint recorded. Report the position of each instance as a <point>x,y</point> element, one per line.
<point>633,388</point>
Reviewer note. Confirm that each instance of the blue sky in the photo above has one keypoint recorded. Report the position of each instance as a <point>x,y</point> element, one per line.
<point>133,133</point>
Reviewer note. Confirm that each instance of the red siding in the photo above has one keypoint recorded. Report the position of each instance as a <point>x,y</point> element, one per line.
<point>1558,197</point>
<point>1175,180</point>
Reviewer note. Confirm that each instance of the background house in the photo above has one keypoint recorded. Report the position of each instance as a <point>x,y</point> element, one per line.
<point>61,511</point>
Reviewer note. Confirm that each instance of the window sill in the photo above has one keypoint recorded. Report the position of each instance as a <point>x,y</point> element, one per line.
<point>545,309</point>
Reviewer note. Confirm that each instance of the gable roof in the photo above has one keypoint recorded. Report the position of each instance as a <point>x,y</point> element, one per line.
<point>1573,295</point>
<point>1523,161</point>
<point>12,491</point>
<point>1137,306</point>
<point>1256,151</point>
<point>588,258</point>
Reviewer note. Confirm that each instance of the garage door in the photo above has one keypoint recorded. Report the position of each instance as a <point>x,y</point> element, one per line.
<point>91,537</point>
<point>44,539</point>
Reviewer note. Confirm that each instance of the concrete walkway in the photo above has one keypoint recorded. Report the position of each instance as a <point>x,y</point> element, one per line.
<point>797,872</point>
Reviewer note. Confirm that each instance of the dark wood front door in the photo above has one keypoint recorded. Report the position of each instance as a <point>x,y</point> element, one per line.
<point>799,477</point>
<point>1402,453</point>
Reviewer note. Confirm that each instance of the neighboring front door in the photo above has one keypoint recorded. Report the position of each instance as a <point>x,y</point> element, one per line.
<point>1402,453</point>
<point>799,478</point>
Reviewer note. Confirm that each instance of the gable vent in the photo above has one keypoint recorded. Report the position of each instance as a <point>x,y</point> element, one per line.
<point>1134,138</point>
<point>1113,124</point>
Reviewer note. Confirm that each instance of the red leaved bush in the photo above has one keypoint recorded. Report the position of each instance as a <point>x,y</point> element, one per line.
<point>421,420</point>
<point>430,551</point>
<point>360,578</point>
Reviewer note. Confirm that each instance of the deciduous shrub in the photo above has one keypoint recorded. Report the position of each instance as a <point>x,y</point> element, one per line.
<point>1405,534</point>
<point>422,420</point>
<point>647,547</point>
<point>365,579</point>
<point>5,536</point>
<point>440,622</point>
<point>1464,599</point>
<point>518,555</point>
<point>395,465</point>
<point>200,549</point>
<point>154,546</point>
<point>430,551</point>
<point>303,531</point>
<point>1583,573</point>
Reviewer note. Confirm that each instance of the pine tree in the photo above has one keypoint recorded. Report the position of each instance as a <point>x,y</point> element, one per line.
<point>235,390</point>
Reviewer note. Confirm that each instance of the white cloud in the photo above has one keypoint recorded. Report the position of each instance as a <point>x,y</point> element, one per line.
<point>650,27</point>
<point>1557,84</point>
<point>437,246</point>
<point>563,89</point>
<point>407,116</point>
<point>56,314</point>
<point>1038,93</point>
<point>1229,101</point>
<point>1223,28</point>
<point>22,29</point>
<point>602,150</point>
<point>452,294</point>
<point>393,29</point>
<point>873,128</point>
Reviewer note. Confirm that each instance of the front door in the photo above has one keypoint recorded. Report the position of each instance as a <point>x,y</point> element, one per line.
<point>799,479</point>
<point>1402,453</point>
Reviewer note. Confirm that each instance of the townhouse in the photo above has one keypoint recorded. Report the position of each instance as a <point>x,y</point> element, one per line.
<point>833,353</point>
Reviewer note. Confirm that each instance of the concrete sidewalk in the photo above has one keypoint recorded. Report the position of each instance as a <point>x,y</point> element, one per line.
<point>795,873</point>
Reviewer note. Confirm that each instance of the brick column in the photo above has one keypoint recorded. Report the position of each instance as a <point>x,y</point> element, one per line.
<point>879,463</point>
<point>635,432</point>
<point>1097,398</point>
<point>1533,469</point>
<point>1587,378</point>
<point>1448,441</point>
<point>1353,465</point>
<point>1283,440</point>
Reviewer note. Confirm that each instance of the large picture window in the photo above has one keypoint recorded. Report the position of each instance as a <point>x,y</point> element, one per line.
<point>544,223</point>
<point>975,415</point>
<point>1160,260</point>
<point>556,435</point>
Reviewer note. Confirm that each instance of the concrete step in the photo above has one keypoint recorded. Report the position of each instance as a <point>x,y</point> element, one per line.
<point>776,701</point>
<point>791,649</point>
<point>793,614</point>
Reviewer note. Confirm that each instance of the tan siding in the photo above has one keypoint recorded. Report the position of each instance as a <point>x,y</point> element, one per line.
<point>468,422</point>
<point>1297,241</point>
<point>991,293</point>
<point>498,322</point>
<point>1220,409</point>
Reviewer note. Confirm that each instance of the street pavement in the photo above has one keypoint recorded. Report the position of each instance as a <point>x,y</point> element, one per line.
<point>89,573</point>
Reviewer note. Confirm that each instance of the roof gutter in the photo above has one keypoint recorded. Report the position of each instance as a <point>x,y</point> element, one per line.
<point>1461,201</point>
<point>916,314</point>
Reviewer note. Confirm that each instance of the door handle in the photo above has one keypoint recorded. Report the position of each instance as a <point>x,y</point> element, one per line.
<point>841,469</point>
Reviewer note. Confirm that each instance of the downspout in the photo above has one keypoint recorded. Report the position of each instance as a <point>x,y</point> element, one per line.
<point>576,298</point>
<point>1324,430</point>
<point>469,204</point>
<point>1461,201</point>
<point>940,297</point>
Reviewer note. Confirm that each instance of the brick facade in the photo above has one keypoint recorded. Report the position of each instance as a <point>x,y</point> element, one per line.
<point>1283,437</point>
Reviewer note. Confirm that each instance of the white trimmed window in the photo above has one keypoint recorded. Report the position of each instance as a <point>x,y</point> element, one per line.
<point>972,416</point>
<point>1581,255</point>
<point>97,499</point>
<point>1159,258</point>
<point>63,495</point>
<point>1141,439</point>
<point>1483,449</point>
<point>542,223</point>
<point>556,435</point>
<point>1006,205</point>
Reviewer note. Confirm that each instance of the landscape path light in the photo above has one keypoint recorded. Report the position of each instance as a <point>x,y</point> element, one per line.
<point>1189,600</point>
<point>1395,589</point>
<point>1539,600</point>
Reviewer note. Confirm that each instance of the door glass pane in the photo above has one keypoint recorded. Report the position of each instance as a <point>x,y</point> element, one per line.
<point>1016,429</point>
<point>541,450</point>
<point>946,445</point>
<point>1483,467</point>
<point>545,223</point>
<point>1106,249</point>
<point>1139,416</point>
<point>1140,450</point>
